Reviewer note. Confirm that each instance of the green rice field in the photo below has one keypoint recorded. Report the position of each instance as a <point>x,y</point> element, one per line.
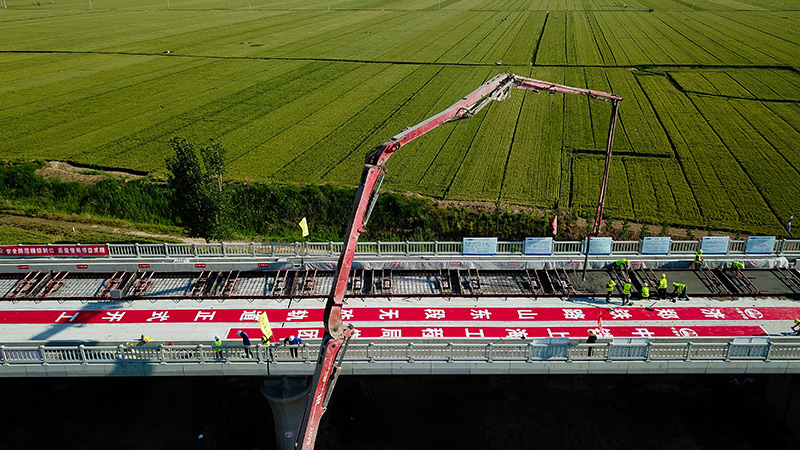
<point>299,91</point>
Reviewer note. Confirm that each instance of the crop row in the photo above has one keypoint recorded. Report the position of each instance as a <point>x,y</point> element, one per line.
<point>584,38</point>
<point>587,172</point>
<point>761,84</point>
<point>642,38</point>
<point>386,116</point>
<point>723,6</point>
<point>535,164</point>
<point>278,138</point>
<point>723,188</point>
<point>430,163</point>
<point>764,164</point>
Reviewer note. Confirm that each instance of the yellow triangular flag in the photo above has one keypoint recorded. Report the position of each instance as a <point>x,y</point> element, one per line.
<point>265,328</point>
<point>304,226</point>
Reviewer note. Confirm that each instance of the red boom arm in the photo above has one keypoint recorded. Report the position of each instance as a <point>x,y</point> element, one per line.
<point>336,335</point>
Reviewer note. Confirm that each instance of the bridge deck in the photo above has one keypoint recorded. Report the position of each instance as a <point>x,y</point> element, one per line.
<point>36,284</point>
<point>482,301</point>
<point>413,318</point>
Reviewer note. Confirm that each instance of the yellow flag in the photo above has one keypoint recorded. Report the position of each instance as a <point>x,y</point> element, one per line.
<point>265,328</point>
<point>304,226</point>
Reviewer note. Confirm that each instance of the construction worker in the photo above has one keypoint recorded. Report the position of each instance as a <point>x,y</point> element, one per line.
<point>645,291</point>
<point>293,343</point>
<point>662,287</point>
<point>591,340</point>
<point>698,259</point>
<point>245,343</point>
<point>738,267</point>
<point>610,287</point>
<point>796,327</point>
<point>144,340</point>
<point>623,264</point>
<point>217,347</point>
<point>626,292</point>
<point>679,291</point>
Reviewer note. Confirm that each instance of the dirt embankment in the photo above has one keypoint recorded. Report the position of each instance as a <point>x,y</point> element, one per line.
<point>68,172</point>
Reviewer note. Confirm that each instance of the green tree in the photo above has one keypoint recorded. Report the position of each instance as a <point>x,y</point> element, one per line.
<point>200,197</point>
<point>626,230</point>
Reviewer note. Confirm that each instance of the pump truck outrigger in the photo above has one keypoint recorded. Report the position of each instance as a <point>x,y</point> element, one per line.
<point>336,336</point>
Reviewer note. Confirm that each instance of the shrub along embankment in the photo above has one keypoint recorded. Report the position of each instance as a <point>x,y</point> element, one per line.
<point>265,212</point>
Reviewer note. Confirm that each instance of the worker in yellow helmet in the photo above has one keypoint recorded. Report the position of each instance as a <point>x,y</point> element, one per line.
<point>626,292</point>
<point>796,327</point>
<point>662,287</point>
<point>679,291</point>
<point>738,268</point>
<point>645,291</point>
<point>698,259</point>
<point>610,290</point>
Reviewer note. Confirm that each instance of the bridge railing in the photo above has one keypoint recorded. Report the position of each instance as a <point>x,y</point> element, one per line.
<point>787,349</point>
<point>407,248</point>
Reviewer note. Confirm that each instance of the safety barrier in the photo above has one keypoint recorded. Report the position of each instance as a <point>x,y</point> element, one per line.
<point>530,352</point>
<point>781,247</point>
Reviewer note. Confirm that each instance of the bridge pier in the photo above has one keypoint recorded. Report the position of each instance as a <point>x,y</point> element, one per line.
<point>287,398</point>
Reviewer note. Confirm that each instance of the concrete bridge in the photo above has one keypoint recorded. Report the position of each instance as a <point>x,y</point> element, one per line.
<point>434,310</point>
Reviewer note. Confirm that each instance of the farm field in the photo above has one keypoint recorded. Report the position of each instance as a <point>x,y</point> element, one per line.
<point>300,91</point>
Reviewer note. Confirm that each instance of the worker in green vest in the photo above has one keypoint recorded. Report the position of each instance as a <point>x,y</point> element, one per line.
<point>217,347</point>
<point>662,287</point>
<point>698,259</point>
<point>679,291</point>
<point>738,267</point>
<point>645,291</point>
<point>626,292</point>
<point>623,264</point>
<point>610,288</point>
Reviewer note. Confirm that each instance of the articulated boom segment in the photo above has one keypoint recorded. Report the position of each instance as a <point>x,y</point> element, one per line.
<point>336,335</point>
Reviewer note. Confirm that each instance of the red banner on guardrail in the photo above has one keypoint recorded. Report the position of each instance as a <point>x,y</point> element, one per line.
<point>54,250</point>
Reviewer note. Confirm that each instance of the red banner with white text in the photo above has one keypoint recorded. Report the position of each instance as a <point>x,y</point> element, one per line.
<point>55,250</point>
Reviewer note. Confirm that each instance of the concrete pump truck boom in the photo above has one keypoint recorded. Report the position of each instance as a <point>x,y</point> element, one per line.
<point>336,336</point>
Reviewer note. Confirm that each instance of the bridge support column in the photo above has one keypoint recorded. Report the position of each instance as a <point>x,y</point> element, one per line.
<point>287,398</point>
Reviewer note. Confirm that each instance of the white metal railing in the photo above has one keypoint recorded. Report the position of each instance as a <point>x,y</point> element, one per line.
<point>785,350</point>
<point>783,247</point>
